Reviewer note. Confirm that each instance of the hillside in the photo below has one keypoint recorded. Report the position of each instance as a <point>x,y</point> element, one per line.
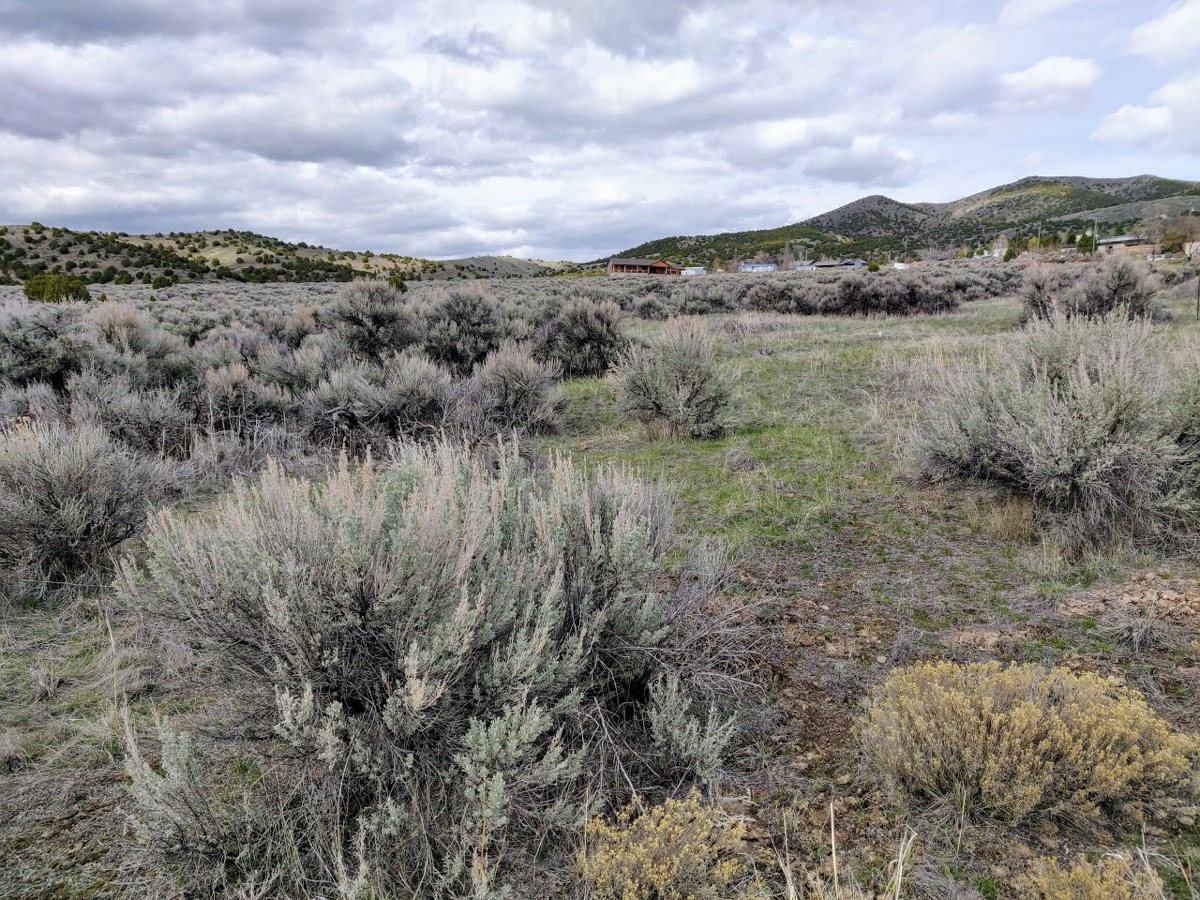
<point>181,258</point>
<point>715,249</point>
<point>881,224</point>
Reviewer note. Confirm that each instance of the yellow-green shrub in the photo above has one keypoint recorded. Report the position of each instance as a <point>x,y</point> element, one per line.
<point>1021,742</point>
<point>1112,878</point>
<point>677,850</point>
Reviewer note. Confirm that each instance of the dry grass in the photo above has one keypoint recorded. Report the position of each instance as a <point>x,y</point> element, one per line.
<point>1020,743</point>
<point>1114,876</point>
<point>676,850</point>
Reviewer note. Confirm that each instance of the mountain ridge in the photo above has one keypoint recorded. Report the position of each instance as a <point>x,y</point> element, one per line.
<point>878,223</point>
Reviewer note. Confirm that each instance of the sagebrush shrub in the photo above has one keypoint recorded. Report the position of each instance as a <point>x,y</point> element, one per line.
<point>1021,743</point>
<point>676,850</point>
<point>154,421</point>
<point>1081,417</point>
<point>374,320</point>
<point>510,392</point>
<point>457,649</point>
<point>676,382</point>
<point>1118,285</point>
<point>584,337</point>
<point>234,399</point>
<point>462,328</point>
<point>68,496</point>
<point>360,406</point>
<point>139,347</point>
<point>43,343</point>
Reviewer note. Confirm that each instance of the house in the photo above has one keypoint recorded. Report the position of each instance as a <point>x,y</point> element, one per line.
<point>840,263</point>
<point>757,267</point>
<point>802,267</point>
<point>692,271</point>
<point>1125,243</point>
<point>618,266</point>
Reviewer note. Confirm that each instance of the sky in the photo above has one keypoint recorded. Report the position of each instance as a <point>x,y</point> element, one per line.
<point>569,129</point>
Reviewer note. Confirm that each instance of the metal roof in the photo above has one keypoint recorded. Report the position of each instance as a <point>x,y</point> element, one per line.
<point>623,261</point>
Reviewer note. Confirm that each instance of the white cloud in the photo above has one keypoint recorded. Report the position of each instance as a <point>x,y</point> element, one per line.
<point>1023,12</point>
<point>1171,119</point>
<point>1173,36</point>
<point>1056,82</point>
<point>1136,124</point>
<point>453,127</point>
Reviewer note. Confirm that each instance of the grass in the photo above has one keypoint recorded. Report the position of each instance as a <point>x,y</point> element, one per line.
<point>862,569</point>
<point>862,562</point>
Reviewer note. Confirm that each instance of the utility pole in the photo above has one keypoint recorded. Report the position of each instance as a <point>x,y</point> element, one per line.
<point>1095,236</point>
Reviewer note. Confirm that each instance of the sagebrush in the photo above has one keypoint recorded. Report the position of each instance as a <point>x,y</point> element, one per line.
<point>462,652</point>
<point>1089,419</point>
<point>676,382</point>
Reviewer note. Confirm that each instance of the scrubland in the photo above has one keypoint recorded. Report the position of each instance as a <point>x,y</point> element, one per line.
<point>855,586</point>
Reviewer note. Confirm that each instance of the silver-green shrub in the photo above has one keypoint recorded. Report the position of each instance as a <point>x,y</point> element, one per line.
<point>462,328</point>
<point>1081,416</point>
<point>372,318</point>
<point>1118,285</point>
<point>68,496</point>
<point>511,393</point>
<point>459,652</point>
<point>584,337</point>
<point>676,382</point>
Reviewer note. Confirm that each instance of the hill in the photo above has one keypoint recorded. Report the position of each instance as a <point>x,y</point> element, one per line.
<point>185,257</point>
<point>880,224</point>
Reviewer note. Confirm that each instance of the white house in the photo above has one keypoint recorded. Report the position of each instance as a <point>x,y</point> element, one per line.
<point>757,267</point>
<point>693,271</point>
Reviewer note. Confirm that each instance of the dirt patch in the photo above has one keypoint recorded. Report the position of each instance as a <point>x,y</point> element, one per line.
<point>1174,600</point>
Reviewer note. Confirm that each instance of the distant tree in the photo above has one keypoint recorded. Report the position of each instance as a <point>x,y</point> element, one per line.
<point>1072,237</point>
<point>56,289</point>
<point>1153,230</point>
<point>1011,253</point>
<point>1086,243</point>
<point>1181,235</point>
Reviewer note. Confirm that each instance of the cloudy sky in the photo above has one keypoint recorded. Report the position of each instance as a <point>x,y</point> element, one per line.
<point>569,128</point>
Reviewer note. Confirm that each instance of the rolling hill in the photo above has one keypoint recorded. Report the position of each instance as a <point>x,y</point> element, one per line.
<point>877,223</point>
<point>175,258</point>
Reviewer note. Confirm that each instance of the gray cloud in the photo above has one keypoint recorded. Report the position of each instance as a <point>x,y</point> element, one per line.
<point>552,127</point>
<point>271,23</point>
<point>476,46</point>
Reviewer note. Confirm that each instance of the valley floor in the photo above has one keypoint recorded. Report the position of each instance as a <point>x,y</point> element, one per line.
<point>859,566</point>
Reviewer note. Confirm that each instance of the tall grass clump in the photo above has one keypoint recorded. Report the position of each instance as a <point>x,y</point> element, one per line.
<point>676,383</point>
<point>1083,417</point>
<point>1020,744</point>
<point>68,496</point>
<point>458,653</point>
